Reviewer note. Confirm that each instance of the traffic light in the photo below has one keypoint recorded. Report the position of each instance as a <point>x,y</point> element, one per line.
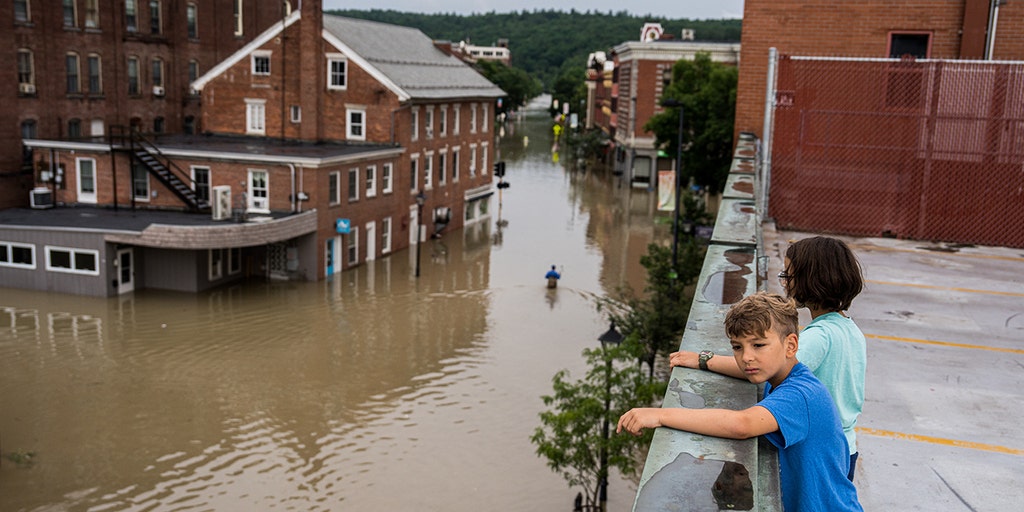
<point>502,184</point>
<point>499,169</point>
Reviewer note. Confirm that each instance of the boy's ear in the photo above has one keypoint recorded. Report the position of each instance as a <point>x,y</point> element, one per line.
<point>792,343</point>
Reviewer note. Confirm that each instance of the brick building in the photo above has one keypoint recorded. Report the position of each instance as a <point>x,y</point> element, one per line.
<point>77,67</point>
<point>323,140</point>
<point>871,28</point>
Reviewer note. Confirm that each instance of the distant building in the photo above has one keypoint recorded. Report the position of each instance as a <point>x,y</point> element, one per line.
<point>628,92</point>
<point>472,53</point>
<point>323,140</point>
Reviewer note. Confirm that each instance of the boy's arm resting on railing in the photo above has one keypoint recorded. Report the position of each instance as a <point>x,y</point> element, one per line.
<point>751,422</point>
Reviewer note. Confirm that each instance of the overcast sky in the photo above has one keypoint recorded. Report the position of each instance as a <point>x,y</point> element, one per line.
<point>693,9</point>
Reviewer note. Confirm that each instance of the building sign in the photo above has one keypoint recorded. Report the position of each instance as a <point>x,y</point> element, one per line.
<point>343,226</point>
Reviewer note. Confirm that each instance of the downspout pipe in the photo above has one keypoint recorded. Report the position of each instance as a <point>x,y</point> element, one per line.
<point>295,199</point>
<point>993,22</point>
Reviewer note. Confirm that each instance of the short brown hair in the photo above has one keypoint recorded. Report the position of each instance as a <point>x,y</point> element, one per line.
<point>758,313</point>
<point>823,272</point>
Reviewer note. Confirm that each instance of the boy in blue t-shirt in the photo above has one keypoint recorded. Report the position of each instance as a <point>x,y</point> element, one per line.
<point>796,414</point>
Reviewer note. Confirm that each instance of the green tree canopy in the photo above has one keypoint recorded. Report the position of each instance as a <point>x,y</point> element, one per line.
<point>707,92</point>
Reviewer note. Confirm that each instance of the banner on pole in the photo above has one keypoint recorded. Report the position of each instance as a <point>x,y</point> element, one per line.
<point>666,191</point>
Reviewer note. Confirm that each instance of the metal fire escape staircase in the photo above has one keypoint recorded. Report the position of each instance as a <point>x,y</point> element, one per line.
<point>148,156</point>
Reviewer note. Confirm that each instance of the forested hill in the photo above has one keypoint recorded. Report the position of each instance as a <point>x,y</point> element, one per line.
<point>545,43</point>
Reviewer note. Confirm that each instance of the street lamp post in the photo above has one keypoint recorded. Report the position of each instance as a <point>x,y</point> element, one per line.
<point>420,199</point>
<point>614,337</point>
<point>679,179</point>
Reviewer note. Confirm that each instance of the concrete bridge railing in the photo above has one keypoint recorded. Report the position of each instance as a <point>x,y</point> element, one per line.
<point>691,472</point>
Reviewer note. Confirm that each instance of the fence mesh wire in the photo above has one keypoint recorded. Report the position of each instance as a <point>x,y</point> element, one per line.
<point>928,150</point>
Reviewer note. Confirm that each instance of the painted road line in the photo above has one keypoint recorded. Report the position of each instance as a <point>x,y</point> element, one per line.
<point>946,288</point>
<point>945,343</point>
<point>939,440</point>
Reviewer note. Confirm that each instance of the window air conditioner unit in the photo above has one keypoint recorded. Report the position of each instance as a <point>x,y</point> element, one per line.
<point>221,202</point>
<point>158,90</point>
<point>27,88</point>
<point>41,197</point>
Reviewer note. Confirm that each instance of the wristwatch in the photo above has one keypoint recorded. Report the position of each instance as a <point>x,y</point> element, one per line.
<point>702,359</point>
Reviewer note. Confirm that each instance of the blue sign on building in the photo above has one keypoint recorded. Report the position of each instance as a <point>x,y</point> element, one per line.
<point>343,226</point>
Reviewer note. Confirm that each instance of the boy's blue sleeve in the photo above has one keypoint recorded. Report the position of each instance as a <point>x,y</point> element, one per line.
<point>790,409</point>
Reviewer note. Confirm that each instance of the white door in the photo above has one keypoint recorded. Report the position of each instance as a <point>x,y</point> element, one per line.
<point>125,271</point>
<point>86,176</point>
<point>371,241</point>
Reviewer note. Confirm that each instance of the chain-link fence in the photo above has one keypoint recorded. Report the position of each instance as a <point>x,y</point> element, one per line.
<point>929,149</point>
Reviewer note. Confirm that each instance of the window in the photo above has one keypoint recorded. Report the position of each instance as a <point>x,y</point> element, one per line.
<point>72,261</point>
<point>26,70</point>
<point>158,124</point>
<point>429,124</point>
<point>234,260</point>
<point>259,190</point>
<point>385,235</point>
<point>74,128</point>
<point>457,121</point>
<point>414,171</point>
<point>428,171</point>
<point>483,159</point>
<point>193,71</point>
<point>140,183</point>
<point>189,125</point>
<point>255,117</point>
<point>237,5</point>
<point>71,67</point>
<point>154,16</point>
<point>133,76</point>
<point>386,177</point>
<point>201,182</point>
<point>353,246</point>
<point>22,13</point>
<point>70,16</point>
<point>353,184</point>
<point>472,118</point>
<point>905,87</point>
<point>443,121</point>
<point>92,14</point>
<point>190,21</point>
<point>261,63</point>
<point>913,45</point>
<point>131,19</point>
<point>17,255</point>
<point>334,188</point>
<point>85,171</point>
<point>371,181</point>
<point>216,264</point>
<point>95,74</point>
<point>296,113</point>
<point>485,118</point>
<point>96,127</point>
<point>356,127</point>
<point>472,160</point>
<point>442,167</point>
<point>158,73</point>
<point>415,123</point>
<point>337,72</point>
<point>455,165</point>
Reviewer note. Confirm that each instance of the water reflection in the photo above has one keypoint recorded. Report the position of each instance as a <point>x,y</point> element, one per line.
<point>728,286</point>
<point>372,391</point>
<point>713,485</point>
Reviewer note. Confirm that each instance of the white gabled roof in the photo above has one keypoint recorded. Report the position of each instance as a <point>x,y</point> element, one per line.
<point>245,51</point>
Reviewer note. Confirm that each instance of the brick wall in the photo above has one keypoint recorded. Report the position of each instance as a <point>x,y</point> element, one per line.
<point>850,29</point>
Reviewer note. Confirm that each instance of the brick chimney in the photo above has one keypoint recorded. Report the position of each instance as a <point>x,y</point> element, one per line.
<point>312,66</point>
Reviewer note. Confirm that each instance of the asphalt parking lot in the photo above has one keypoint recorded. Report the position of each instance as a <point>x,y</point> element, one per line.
<point>942,423</point>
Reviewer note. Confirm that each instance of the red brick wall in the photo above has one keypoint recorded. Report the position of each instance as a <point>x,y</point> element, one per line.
<point>851,29</point>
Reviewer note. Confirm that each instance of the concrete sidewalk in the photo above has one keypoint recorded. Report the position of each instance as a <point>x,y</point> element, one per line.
<point>942,422</point>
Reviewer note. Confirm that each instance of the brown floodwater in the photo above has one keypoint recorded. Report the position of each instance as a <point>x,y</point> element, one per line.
<point>372,391</point>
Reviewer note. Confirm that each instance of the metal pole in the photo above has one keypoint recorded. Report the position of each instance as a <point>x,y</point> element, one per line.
<point>603,497</point>
<point>767,131</point>
<point>679,182</point>
<point>419,234</point>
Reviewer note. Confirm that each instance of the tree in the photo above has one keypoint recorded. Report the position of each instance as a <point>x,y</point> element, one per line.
<point>517,84</point>
<point>572,437</point>
<point>707,92</point>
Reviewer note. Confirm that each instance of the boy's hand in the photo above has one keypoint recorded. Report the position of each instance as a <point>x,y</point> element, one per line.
<point>684,359</point>
<point>635,420</point>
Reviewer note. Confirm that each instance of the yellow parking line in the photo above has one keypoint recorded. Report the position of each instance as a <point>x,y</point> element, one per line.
<point>947,288</point>
<point>938,440</point>
<point>869,247</point>
<point>945,343</point>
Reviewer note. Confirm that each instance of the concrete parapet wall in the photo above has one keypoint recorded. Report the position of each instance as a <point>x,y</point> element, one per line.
<point>686,471</point>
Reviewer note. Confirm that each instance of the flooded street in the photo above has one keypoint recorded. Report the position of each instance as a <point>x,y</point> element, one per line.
<point>375,391</point>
